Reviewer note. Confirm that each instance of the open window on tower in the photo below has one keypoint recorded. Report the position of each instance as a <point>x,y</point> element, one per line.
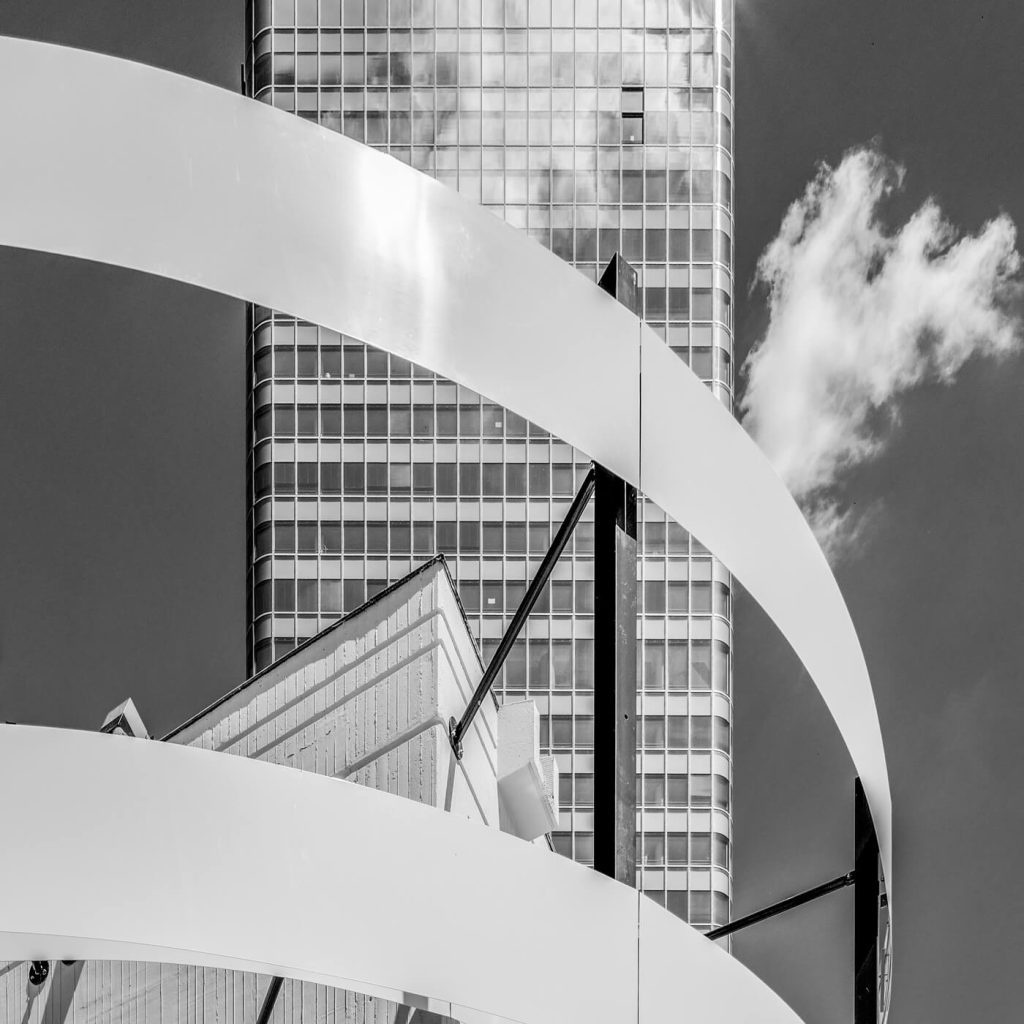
<point>632,115</point>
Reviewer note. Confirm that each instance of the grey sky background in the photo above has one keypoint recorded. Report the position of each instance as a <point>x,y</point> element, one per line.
<point>122,508</point>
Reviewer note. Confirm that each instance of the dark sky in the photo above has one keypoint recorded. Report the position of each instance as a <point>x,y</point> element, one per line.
<point>121,505</point>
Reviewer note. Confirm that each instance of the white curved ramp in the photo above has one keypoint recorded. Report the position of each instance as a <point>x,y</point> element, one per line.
<point>433,906</point>
<point>124,164</point>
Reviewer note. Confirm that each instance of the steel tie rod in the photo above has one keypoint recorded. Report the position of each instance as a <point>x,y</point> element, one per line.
<point>457,730</point>
<point>788,904</point>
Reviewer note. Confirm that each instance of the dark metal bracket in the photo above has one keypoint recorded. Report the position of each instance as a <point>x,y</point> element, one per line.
<point>38,971</point>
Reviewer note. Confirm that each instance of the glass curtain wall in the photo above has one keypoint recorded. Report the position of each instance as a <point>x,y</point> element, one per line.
<point>596,126</point>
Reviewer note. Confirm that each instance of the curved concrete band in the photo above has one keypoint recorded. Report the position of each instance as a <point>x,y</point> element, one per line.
<point>124,164</point>
<point>345,886</point>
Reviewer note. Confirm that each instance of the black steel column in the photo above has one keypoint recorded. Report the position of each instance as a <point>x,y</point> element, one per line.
<point>865,913</point>
<point>615,658</point>
<point>615,677</point>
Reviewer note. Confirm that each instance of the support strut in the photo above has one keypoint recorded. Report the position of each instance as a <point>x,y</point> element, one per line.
<point>783,905</point>
<point>270,1000</point>
<point>457,730</point>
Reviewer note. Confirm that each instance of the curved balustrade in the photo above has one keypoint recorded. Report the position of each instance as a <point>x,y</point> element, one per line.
<point>223,861</point>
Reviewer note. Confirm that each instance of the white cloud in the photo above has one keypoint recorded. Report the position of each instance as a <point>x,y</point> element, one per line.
<point>859,315</point>
<point>839,528</point>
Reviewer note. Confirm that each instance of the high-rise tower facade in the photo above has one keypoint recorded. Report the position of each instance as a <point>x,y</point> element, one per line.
<point>597,126</point>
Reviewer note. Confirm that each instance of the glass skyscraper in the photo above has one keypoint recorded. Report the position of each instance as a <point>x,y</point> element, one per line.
<point>597,126</point>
